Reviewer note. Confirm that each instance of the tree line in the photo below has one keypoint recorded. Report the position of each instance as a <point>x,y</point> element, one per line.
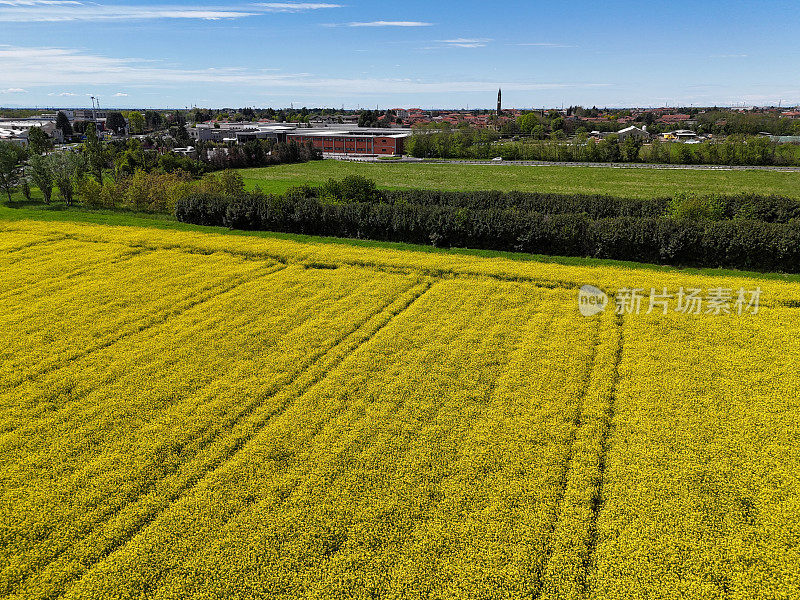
<point>744,232</point>
<point>480,144</point>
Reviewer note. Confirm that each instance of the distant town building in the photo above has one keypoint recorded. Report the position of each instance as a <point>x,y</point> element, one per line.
<point>634,132</point>
<point>16,130</point>
<point>673,119</point>
<point>680,135</point>
<point>499,106</point>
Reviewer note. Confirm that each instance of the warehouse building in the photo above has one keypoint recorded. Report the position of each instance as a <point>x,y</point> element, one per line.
<point>17,130</point>
<point>389,142</point>
<point>239,132</point>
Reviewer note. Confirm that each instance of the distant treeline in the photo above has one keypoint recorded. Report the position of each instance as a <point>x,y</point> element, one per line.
<point>745,232</point>
<point>477,144</point>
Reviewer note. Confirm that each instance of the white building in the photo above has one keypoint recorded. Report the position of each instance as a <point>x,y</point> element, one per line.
<point>634,132</point>
<point>16,130</point>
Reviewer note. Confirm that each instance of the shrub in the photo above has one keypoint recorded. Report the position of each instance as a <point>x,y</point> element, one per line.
<point>91,192</point>
<point>231,183</point>
<point>691,207</point>
<point>202,209</point>
<point>352,188</point>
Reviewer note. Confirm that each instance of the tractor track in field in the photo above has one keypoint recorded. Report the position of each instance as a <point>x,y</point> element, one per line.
<point>192,481</point>
<point>76,398</point>
<point>5,431</point>
<point>42,242</point>
<point>599,498</point>
<point>144,323</point>
<point>563,481</point>
<point>11,430</point>
<point>318,428</point>
<point>434,273</point>
<point>205,436</point>
<point>10,292</point>
<point>488,395</point>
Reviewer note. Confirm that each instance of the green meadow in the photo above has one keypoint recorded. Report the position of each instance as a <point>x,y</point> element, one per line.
<point>630,183</point>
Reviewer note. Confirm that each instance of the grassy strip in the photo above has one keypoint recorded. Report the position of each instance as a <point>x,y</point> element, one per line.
<point>37,212</point>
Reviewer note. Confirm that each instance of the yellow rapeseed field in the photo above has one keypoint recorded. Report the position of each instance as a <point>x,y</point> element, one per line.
<point>190,415</point>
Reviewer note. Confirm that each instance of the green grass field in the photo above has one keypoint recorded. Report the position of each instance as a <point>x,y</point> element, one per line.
<point>645,183</point>
<point>630,183</point>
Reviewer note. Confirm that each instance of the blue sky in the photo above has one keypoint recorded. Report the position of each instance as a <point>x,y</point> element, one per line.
<point>360,53</point>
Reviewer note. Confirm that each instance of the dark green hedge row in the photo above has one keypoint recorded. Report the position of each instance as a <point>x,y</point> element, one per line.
<point>771,209</point>
<point>595,206</point>
<point>742,244</point>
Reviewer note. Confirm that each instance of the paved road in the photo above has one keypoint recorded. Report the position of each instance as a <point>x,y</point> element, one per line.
<point>536,163</point>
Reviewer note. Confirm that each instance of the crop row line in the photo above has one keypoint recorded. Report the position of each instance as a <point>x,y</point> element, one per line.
<point>216,451</point>
<point>76,272</point>
<point>572,546</point>
<point>31,244</point>
<point>203,436</point>
<point>75,399</point>
<point>435,273</point>
<point>143,324</point>
<point>599,497</point>
<point>563,481</point>
<point>418,292</point>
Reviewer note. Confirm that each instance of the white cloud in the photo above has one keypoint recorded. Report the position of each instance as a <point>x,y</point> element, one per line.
<point>545,45</point>
<point>390,24</point>
<point>13,90</point>
<point>729,56</point>
<point>120,95</point>
<point>36,67</point>
<point>28,11</point>
<point>293,6</point>
<point>466,42</point>
<point>63,94</point>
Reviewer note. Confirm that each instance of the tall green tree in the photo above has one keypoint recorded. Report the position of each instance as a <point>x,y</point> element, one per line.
<point>630,149</point>
<point>10,167</point>
<point>136,122</point>
<point>62,123</point>
<point>153,119</point>
<point>116,122</point>
<point>41,175</point>
<point>38,141</point>
<point>67,168</point>
<point>182,136</point>
<point>93,149</point>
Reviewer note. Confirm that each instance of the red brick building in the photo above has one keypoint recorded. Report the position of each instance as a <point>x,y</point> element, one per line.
<point>352,142</point>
